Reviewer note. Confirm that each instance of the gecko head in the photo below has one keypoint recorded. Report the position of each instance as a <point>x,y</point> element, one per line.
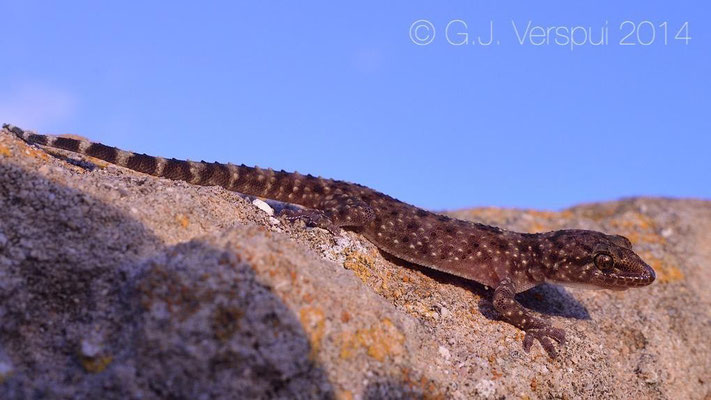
<point>596,260</point>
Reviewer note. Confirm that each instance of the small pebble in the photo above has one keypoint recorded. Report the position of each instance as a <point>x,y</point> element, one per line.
<point>444,352</point>
<point>263,206</point>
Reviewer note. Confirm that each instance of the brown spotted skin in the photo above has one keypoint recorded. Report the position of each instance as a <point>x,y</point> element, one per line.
<point>510,262</point>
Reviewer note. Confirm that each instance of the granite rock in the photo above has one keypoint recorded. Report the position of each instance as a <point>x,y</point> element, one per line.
<point>115,284</point>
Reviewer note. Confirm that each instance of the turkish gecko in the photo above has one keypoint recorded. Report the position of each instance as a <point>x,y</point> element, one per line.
<point>509,262</point>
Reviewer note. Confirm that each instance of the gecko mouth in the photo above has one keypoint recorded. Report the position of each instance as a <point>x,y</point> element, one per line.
<point>621,281</point>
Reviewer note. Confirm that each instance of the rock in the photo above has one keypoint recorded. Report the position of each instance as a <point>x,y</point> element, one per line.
<point>118,285</point>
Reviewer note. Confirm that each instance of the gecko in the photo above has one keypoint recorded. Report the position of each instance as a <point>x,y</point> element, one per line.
<point>508,262</point>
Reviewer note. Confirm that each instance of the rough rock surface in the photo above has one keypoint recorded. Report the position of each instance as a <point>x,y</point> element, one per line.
<point>114,284</point>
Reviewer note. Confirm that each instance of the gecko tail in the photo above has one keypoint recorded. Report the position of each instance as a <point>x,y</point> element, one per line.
<point>20,133</point>
<point>80,146</point>
<point>228,176</point>
<point>276,185</point>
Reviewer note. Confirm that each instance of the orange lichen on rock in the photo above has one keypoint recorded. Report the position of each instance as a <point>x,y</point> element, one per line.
<point>381,340</point>
<point>313,321</point>
<point>183,220</point>
<point>361,264</point>
<point>36,153</point>
<point>4,151</point>
<point>666,272</point>
<point>638,228</point>
<point>344,395</point>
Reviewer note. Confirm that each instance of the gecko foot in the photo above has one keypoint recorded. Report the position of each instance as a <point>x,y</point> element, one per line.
<point>546,336</point>
<point>313,218</point>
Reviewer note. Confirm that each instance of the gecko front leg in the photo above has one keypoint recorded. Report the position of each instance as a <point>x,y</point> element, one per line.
<point>514,313</point>
<point>334,212</point>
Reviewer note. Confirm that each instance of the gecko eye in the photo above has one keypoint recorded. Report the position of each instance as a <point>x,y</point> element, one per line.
<point>604,261</point>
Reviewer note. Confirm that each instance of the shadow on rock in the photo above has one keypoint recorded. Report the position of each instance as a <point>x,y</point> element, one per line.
<point>546,299</point>
<point>92,305</point>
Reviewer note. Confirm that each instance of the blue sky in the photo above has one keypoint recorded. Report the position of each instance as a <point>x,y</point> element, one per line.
<point>340,89</point>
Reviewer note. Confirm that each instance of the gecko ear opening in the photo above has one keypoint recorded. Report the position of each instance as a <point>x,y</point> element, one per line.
<point>621,241</point>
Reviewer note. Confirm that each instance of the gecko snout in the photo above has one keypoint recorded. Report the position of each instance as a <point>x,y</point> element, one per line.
<point>644,277</point>
<point>648,275</point>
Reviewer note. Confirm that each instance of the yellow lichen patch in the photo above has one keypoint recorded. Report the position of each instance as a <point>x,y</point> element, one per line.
<point>485,213</point>
<point>666,272</point>
<point>638,228</point>
<point>4,151</point>
<point>183,220</point>
<point>386,275</point>
<point>348,345</point>
<point>544,221</point>
<point>537,228</point>
<point>32,152</point>
<point>361,264</point>
<point>381,340</point>
<point>599,213</point>
<point>550,214</point>
<point>314,323</point>
<point>344,395</point>
<point>99,163</point>
<point>95,365</point>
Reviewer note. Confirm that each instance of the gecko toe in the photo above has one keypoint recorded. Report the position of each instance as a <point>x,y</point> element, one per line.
<point>546,336</point>
<point>312,218</point>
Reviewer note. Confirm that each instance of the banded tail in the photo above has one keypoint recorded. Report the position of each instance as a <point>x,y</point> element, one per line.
<point>278,185</point>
